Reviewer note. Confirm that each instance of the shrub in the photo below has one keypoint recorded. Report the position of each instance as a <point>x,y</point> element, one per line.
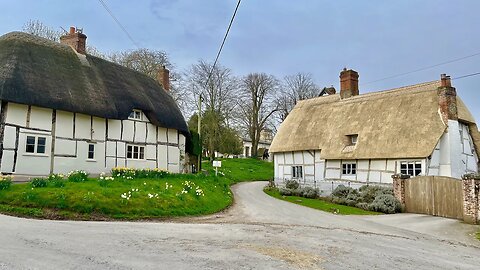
<point>309,192</point>
<point>385,203</point>
<point>342,191</point>
<point>292,184</point>
<point>285,192</point>
<point>5,182</point>
<point>77,176</point>
<point>352,198</point>
<point>363,205</point>
<point>39,182</point>
<point>369,193</point>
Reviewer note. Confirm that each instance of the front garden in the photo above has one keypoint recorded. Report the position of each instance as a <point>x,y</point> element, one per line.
<point>344,200</point>
<point>127,194</point>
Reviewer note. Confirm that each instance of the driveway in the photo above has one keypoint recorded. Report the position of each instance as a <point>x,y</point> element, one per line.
<point>258,232</point>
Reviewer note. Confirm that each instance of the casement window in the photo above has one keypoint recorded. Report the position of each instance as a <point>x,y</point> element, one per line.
<point>136,115</point>
<point>91,151</point>
<point>349,168</point>
<point>35,144</point>
<point>412,168</point>
<point>135,152</point>
<point>297,171</point>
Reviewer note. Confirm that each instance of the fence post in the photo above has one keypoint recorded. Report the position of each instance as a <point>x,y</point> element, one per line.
<point>471,200</point>
<point>399,187</point>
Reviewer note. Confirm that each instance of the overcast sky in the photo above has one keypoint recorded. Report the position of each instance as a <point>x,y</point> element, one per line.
<point>378,38</point>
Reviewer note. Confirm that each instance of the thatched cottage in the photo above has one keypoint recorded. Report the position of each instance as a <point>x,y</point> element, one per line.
<point>63,109</point>
<point>422,129</point>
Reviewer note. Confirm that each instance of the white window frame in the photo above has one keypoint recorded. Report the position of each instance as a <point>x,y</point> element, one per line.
<point>411,167</point>
<point>92,151</point>
<point>136,150</point>
<point>36,144</point>
<point>353,139</point>
<point>297,172</point>
<point>136,115</point>
<point>349,168</point>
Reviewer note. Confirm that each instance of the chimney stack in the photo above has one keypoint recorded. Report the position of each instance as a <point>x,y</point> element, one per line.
<point>447,99</point>
<point>348,83</point>
<point>164,78</point>
<point>75,39</point>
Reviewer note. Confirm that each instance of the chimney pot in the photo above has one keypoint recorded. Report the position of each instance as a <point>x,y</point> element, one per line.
<point>76,40</point>
<point>445,80</point>
<point>348,83</point>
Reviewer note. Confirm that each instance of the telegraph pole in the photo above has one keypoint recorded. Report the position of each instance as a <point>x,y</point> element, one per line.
<point>199,166</point>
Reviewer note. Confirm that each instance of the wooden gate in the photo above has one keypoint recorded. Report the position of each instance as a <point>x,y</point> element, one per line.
<point>434,195</point>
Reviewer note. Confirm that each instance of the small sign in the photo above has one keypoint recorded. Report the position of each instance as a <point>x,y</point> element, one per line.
<point>217,163</point>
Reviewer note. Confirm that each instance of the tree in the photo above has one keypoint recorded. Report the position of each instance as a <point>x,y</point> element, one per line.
<point>257,104</point>
<point>295,88</point>
<point>37,28</point>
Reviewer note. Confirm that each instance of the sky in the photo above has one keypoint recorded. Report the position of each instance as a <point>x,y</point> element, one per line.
<point>377,38</point>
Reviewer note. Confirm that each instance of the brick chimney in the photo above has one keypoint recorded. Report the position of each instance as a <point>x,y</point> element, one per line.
<point>75,39</point>
<point>164,78</point>
<point>447,99</point>
<point>348,83</point>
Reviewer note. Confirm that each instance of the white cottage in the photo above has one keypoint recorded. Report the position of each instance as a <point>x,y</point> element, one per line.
<point>422,129</point>
<point>62,109</point>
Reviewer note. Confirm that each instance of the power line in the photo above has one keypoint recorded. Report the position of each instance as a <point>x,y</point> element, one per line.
<point>465,76</point>
<point>423,68</point>
<point>118,23</point>
<point>223,43</point>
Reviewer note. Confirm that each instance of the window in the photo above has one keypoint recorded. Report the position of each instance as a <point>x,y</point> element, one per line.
<point>297,171</point>
<point>352,139</point>
<point>349,168</point>
<point>136,115</point>
<point>91,151</point>
<point>412,168</point>
<point>135,152</point>
<point>35,144</point>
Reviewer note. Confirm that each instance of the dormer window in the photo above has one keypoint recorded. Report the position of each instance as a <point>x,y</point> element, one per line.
<point>353,139</point>
<point>135,115</point>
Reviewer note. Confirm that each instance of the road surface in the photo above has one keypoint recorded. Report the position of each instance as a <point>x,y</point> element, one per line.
<point>257,232</point>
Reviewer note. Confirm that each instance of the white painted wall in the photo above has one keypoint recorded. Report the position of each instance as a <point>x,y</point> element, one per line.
<point>73,132</point>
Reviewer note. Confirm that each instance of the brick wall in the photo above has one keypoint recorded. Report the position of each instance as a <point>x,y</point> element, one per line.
<point>471,200</point>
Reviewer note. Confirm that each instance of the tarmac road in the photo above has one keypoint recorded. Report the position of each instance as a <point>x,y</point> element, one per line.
<point>257,232</point>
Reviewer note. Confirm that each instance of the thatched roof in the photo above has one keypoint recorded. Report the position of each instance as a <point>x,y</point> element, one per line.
<point>398,123</point>
<point>39,72</point>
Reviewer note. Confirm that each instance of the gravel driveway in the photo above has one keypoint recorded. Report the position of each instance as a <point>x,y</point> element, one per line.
<point>258,232</point>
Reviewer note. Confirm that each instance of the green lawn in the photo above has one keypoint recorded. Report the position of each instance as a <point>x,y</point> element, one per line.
<point>242,169</point>
<point>320,204</point>
<point>119,198</point>
<point>478,235</point>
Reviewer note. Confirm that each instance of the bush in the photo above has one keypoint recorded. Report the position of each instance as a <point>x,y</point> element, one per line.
<point>352,198</point>
<point>285,192</point>
<point>292,184</point>
<point>369,193</point>
<point>77,176</point>
<point>385,203</point>
<point>309,192</point>
<point>363,205</point>
<point>342,191</point>
<point>39,182</point>
<point>5,182</point>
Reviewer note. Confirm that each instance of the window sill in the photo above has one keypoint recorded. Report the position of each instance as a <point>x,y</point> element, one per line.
<point>35,155</point>
<point>132,159</point>
<point>91,160</point>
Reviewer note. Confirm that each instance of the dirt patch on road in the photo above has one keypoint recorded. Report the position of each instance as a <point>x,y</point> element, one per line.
<point>296,258</point>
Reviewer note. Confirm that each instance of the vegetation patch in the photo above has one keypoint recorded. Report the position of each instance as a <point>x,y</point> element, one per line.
<point>127,194</point>
<point>318,204</point>
<point>242,169</point>
<point>478,235</point>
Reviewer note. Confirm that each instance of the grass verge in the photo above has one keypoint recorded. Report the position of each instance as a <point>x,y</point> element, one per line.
<point>320,204</point>
<point>242,169</point>
<point>478,235</point>
<point>174,195</point>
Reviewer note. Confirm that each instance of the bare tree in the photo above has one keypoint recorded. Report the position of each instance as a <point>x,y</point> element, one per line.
<point>257,104</point>
<point>295,88</point>
<point>37,28</point>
